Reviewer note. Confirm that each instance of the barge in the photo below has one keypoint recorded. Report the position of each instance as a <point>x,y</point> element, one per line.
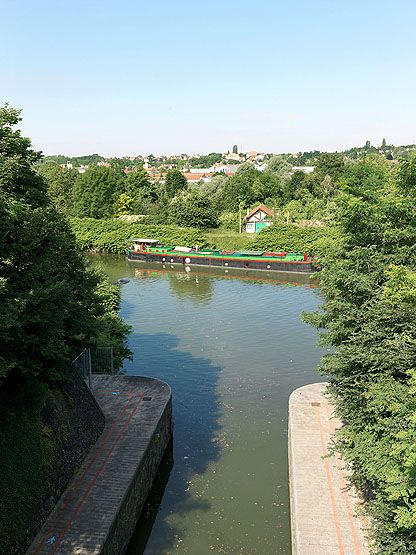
<point>150,250</point>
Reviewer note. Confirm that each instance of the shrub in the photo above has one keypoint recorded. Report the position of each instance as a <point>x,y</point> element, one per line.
<point>293,238</point>
<point>112,235</point>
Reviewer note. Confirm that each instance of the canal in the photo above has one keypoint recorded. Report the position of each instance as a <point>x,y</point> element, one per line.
<point>233,347</point>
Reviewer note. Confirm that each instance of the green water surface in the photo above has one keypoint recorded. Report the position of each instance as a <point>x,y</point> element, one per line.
<point>233,347</point>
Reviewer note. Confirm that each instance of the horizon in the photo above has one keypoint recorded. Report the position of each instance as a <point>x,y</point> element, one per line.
<point>194,78</point>
<point>177,154</point>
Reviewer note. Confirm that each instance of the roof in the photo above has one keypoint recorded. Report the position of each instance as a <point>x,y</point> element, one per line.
<point>262,207</point>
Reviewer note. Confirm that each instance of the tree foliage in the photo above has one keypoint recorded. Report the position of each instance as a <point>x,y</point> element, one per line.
<point>96,192</point>
<point>113,235</point>
<point>175,182</point>
<point>369,317</point>
<point>60,185</point>
<point>49,305</point>
<point>193,209</point>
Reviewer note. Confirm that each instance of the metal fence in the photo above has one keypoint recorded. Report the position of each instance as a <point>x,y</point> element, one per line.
<point>97,360</point>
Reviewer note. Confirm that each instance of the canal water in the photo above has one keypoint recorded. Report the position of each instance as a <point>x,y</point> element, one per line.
<point>233,347</point>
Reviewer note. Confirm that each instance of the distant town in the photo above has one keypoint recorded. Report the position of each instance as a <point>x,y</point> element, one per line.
<point>203,167</point>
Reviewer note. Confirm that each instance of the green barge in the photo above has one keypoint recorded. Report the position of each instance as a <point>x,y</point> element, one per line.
<point>150,250</point>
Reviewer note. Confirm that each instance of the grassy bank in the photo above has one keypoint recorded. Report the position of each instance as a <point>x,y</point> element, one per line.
<point>225,239</point>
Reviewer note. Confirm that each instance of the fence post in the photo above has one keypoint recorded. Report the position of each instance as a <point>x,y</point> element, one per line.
<point>111,360</point>
<point>89,368</point>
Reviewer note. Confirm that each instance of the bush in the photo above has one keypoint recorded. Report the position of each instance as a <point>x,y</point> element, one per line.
<point>310,240</point>
<point>230,220</point>
<point>112,235</point>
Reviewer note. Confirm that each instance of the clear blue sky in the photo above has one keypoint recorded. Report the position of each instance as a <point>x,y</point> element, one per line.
<point>164,76</point>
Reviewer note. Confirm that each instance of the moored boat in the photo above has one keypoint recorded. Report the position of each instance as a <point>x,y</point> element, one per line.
<point>150,250</point>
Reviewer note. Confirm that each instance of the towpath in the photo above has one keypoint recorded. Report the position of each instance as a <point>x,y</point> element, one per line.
<point>99,509</point>
<point>323,508</point>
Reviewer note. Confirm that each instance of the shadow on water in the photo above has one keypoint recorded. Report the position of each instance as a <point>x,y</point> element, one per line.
<point>147,519</point>
<point>196,412</point>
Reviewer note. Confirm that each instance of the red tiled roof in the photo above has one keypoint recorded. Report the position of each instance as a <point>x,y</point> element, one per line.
<point>259,207</point>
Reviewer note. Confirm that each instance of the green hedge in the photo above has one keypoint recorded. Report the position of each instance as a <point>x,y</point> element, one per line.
<point>312,240</point>
<point>111,235</point>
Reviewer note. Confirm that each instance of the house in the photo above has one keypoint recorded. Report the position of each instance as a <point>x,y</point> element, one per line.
<point>259,218</point>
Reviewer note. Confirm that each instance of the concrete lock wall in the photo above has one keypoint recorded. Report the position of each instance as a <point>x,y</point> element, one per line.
<point>132,506</point>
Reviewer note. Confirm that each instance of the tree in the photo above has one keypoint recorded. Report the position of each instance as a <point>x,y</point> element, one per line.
<point>235,149</point>
<point>124,205</point>
<point>49,305</point>
<point>213,187</point>
<point>238,188</point>
<point>383,143</point>
<point>60,184</point>
<point>330,163</point>
<point>96,191</point>
<point>174,183</point>
<point>193,210</point>
<point>294,186</point>
<point>280,166</point>
<point>369,313</point>
<point>138,187</point>
<point>266,186</point>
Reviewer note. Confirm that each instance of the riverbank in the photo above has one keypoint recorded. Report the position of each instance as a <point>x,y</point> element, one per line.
<point>112,235</point>
<point>323,507</point>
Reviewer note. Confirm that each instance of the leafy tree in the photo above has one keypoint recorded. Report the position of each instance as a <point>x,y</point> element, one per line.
<point>205,161</point>
<point>175,182</point>
<point>60,184</point>
<point>96,191</point>
<point>280,166</point>
<point>193,210</point>
<point>238,188</point>
<point>383,143</point>
<point>49,305</point>
<point>266,186</point>
<point>235,149</point>
<point>369,313</point>
<point>331,164</point>
<point>294,186</point>
<point>88,160</point>
<point>213,187</point>
<point>248,168</point>
<point>144,194</point>
<point>124,205</point>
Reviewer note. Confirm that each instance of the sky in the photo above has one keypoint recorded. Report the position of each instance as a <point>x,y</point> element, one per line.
<point>129,77</point>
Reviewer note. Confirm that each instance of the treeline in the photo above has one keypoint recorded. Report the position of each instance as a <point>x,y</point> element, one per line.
<point>105,192</point>
<point>74,160</point>
<point>368,282</point>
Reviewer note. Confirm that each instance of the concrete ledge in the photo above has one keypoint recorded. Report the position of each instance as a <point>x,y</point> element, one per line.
<point>323,508</point>
<point>98,512</point>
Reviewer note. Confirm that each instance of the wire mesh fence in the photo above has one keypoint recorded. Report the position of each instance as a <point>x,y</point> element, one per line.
<point>97,360</point>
